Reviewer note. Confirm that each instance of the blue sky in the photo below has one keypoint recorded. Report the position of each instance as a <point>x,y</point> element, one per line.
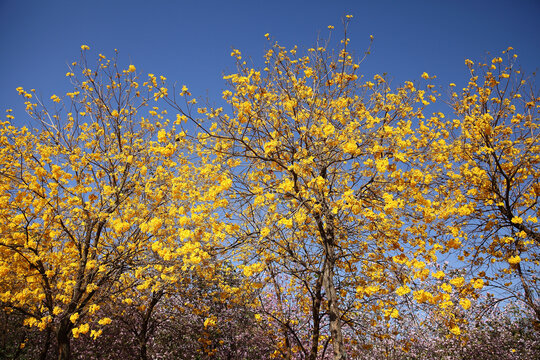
<point>190,42</point>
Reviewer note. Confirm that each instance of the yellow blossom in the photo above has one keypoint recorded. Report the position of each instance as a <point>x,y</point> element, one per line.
<point>465,303</point>
<point>422,296</point>
<point>454,329</point>
<point>162,136</point>
<point>478,283</point>
<point>95,333</point>
<point>457,282</point>
<point>73,318</point>
<point>104,321</point>
<point>350,147</point>
<point>211,321</point>
<point>438,275</point>
<point>402,290</point>
<point>328,130</point>
<point>446,287</point>
<point>84,328</point>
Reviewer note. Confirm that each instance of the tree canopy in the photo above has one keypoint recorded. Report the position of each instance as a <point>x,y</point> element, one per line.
<point>324,212</point>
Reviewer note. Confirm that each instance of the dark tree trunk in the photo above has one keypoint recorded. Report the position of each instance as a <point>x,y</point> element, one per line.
<point>333,312</point>
<point>63,339</point>
<point>315,313</point>
<point>145,327</point>
<point>45,349</point>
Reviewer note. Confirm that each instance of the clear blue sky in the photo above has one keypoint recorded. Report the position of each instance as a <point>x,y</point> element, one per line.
<point>189,42</point>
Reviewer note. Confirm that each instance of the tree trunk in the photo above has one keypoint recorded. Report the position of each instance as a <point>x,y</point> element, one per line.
<point>315,313</point>
<point>143,354</point>
<point>328,241</point>
<point>287,354</point>
<point>529,297</point>
<point>142,340</point>
<point>327,234</point>
<point>145,328</point>
<point>45,349</point>
<point>333,310</point>
<point>63,339</point>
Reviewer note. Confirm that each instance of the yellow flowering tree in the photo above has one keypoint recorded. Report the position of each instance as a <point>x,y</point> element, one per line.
<point>495,175</point>
<point>104,197</point>
<point>330,191</point>
<point>333,198</point>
